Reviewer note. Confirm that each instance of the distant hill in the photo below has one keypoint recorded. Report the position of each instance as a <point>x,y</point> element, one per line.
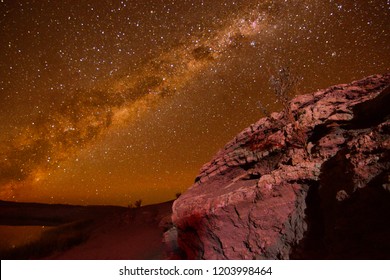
<point>26,213</point>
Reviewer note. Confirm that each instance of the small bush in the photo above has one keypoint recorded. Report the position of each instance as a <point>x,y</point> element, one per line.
<point>283,83</point>
<point>138,203</point>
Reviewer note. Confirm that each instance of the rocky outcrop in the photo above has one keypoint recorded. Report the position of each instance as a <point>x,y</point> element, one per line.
<point>309,182</point>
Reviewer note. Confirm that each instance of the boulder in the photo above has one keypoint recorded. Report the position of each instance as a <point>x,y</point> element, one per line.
<point>311,182</point>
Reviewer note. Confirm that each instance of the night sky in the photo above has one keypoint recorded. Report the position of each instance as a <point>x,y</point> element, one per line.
<point>108,102</point>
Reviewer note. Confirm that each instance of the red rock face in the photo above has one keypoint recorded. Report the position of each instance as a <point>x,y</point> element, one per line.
<point>309,183</point>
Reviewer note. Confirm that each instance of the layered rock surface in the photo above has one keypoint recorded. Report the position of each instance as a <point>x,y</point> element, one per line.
<point>309,182</point>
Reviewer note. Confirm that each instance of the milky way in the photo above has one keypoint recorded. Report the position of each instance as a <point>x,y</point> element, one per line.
<point>110,101</point>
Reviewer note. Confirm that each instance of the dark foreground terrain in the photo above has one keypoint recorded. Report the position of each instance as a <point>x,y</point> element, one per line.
<point>44,231</point>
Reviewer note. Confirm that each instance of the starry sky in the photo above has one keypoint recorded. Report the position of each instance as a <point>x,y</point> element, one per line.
<point>110,101</point>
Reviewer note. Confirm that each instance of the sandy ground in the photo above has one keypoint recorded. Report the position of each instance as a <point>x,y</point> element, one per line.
<point>115,234</point>
<point>123,237</point>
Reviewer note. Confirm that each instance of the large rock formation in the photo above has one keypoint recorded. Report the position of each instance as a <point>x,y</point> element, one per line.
<point>309,182</point>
